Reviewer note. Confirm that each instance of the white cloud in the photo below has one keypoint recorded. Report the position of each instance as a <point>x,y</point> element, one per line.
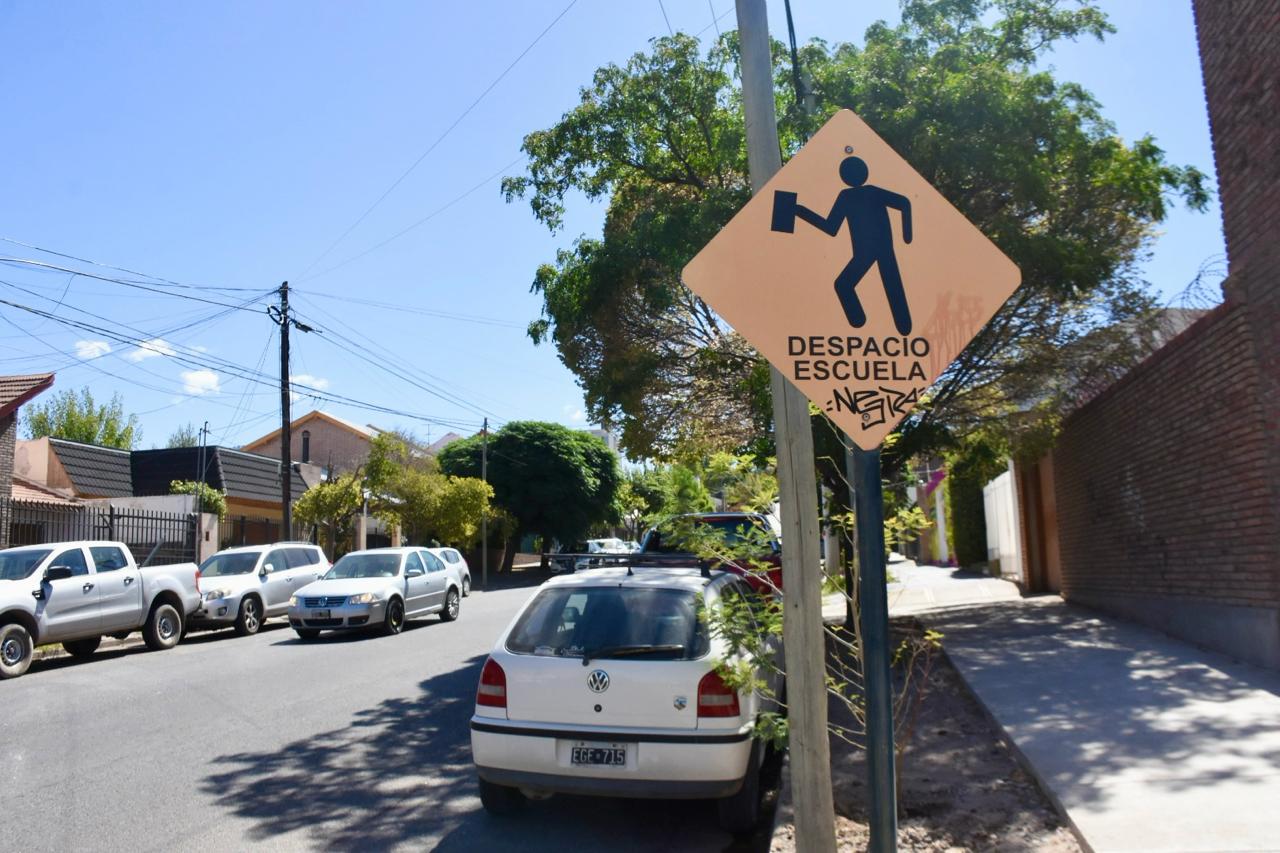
<point>92,349</point>
<point>318,383</point>
<point>197,382</point>
<point>151,348</point>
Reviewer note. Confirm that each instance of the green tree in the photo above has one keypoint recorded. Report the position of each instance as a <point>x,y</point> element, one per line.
<point>959,90</point>
<point>184,436</point>
<point>556,482</point>
<point>75,416</point>
<point>211,499</point>
<point>333,506</point>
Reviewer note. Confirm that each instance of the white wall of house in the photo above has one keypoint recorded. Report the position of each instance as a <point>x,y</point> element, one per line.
<point>999,501</point>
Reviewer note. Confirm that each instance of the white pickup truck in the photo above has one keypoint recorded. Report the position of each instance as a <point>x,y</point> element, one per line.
<point>75,592</point>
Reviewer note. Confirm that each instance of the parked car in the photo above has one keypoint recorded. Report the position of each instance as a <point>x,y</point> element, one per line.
<point>380,587</point>
<point>580,554</point>
<point>242,587</point>
<point>735,528</point>
<point>75,592</point>
<point>453,559</point>
<point>606,684</point>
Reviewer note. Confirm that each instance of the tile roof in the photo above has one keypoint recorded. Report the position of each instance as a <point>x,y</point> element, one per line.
<point>29,490</point>
<point>16,390</point>
<point>248,476</point>
<point>95,471</point>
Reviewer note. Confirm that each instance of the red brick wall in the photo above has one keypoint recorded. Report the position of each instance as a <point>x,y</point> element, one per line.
<point>1161,482</point>
<point>1168,484</point>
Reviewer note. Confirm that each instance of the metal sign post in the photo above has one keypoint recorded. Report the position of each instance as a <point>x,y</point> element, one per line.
<point>873,597</point>
<point>860,284</point>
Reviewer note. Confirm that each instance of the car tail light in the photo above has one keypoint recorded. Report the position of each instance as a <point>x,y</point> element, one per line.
<point>715,698</point>
<point>492,691</point>
<point>198,582</point>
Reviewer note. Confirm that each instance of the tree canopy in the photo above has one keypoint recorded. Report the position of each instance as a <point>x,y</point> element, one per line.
<point>184,436</point>
<point>555,481</point>
<point>76,416</point>
<point>958,90</point>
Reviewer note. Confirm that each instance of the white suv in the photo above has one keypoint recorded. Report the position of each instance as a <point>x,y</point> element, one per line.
<point>243,586</point>
<point>606,684</point>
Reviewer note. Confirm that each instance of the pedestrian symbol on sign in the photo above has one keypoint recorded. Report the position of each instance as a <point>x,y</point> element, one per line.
<point>866,208</point>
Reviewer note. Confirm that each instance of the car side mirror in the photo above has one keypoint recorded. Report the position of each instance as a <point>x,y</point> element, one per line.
<point>413,573</point>
<point>266,569</point>
<point>58,573</point>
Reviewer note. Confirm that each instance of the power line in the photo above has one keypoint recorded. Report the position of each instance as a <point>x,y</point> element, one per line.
<point>122,269</point>
<point>423,221</point>
<point>125,282</point>
<point>663,7</point>
<point>440,138</point>
<point>411,309</point>
<point>242,372</point>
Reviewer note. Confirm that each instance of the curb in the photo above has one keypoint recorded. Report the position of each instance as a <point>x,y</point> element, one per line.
<point>784,812</point>
<point>53,651</point>
<point>1020,756</point>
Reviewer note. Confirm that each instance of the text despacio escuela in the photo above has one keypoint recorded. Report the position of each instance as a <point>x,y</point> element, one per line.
<point>849,358</point>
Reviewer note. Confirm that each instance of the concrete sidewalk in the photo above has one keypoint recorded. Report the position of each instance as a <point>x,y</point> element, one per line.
<point>917,589</point>
<point>1147,743</point>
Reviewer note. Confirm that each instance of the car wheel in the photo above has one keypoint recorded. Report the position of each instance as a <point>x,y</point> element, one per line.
<point>82,648</point>
<point>501,800</point>
<point>740,812</point>
<point>393,621</point>
<point>452,606</point>
<point>15,650</point>
<point>307,633</point>
<point>163,628</point>
<point>466,587</point>
<point>249,619</point>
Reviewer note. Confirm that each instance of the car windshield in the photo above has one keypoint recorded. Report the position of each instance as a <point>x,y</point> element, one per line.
<point>365,566</point>
<point>223,565</point>
<point>611,622</point>
<point>17,565</point>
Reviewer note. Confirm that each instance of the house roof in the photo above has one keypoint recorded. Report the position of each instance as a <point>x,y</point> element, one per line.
<point>366,432</point>
<point>440,443</point>
<point>16,390</point>
<point>25,489</point>
<point>247,476</point>
<point>95,471</point>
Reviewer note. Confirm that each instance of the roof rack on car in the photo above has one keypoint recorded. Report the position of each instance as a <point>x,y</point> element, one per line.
<point>632,561</point>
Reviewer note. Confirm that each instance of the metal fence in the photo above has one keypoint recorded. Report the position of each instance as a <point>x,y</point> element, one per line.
<point>237,530</point>
<point>153,537</point>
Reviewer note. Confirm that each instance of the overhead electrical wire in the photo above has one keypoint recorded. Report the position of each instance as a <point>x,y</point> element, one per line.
<point>423,221</point>
<point>242,372</point>
<point>125,282</point>
<point>154,278</point>
<point>448,130</point>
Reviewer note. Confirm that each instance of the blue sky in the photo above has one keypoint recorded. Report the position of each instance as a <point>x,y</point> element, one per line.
<point>231,144</point>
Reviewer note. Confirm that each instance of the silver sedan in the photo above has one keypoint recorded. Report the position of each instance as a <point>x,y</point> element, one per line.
<point>381,588</point>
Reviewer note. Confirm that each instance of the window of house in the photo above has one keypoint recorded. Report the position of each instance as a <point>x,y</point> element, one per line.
<point>306,445</point>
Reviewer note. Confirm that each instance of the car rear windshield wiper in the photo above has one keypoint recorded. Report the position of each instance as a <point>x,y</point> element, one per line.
<point>623,651</point>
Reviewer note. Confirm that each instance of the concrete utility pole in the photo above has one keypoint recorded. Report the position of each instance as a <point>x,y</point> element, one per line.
<point>286,440</point>
<point>802,631</point>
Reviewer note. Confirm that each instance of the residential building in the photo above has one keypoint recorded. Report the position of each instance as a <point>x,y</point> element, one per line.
<point>319,438</point>
<point>14,391</point>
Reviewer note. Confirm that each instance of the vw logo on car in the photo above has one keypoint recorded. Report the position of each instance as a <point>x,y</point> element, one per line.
<point>598,681</point>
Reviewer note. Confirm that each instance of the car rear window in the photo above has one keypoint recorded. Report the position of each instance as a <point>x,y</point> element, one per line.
<point>733,532</point>
<point>224,565</point>
<point>611,622</point>
<point>300,558</point>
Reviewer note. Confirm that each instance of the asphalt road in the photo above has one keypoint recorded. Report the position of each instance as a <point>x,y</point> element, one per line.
<point>350,742</point>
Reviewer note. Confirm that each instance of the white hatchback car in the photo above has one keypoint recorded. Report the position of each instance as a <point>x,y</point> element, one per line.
<point>453,559</point>
<point>606,684</point>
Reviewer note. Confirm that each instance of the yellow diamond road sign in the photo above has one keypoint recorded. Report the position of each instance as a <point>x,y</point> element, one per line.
<point>854,277</point>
